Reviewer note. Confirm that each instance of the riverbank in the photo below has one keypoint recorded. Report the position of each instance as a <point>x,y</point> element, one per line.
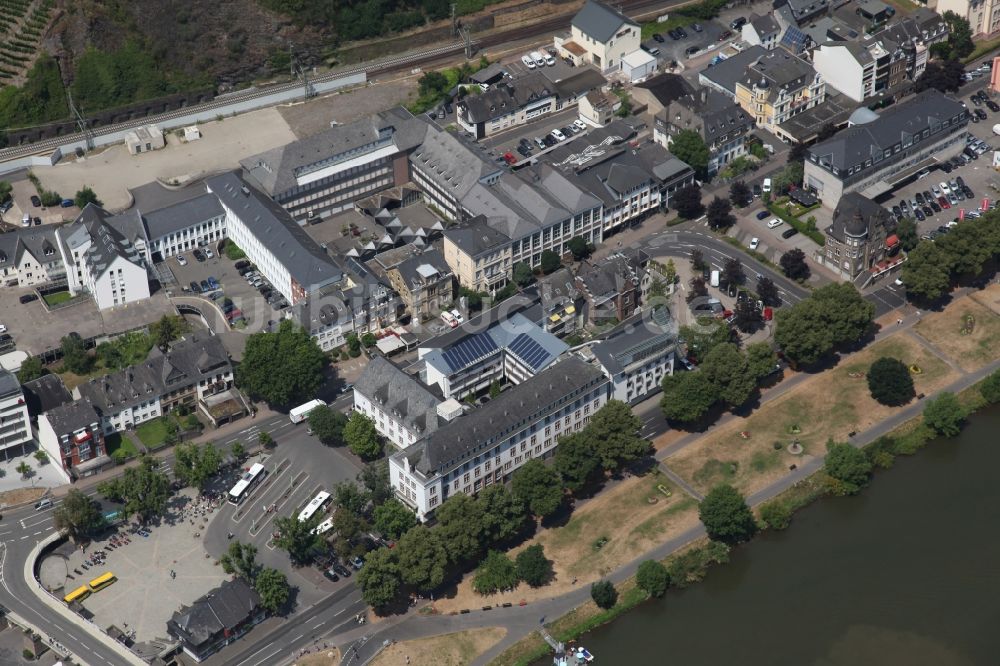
<point>905,439</point>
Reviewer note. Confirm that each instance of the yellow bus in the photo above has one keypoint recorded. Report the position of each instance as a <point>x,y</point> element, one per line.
<point>79,594</point>
<point>102,582</point>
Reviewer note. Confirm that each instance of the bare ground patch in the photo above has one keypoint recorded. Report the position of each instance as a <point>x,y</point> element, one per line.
<point>458,649</point>
<point>830,405</point>
<point>309,118</point>
<point>330,657</point>
<point>629,518</point>
<point>973,350</point>
<point>21,496</point>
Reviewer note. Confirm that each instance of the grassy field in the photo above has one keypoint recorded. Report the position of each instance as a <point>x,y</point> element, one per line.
<point>629,519</point>
<point>57,297</point>
<point>123,442</point>
<point>458,649</point>
<point>152,433</point>
<point>972,351</point>
<point>826,406</point>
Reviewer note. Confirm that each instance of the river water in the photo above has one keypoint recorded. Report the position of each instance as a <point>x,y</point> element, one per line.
<point>906,573</point>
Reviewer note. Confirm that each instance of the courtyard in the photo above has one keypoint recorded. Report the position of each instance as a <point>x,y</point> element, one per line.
<point>146,593</point>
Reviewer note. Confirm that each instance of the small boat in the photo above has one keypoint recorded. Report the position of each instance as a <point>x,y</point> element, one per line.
<point>583,654</point>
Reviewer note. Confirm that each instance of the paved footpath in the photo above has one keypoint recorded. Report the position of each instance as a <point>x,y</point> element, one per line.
<point>520,621</point>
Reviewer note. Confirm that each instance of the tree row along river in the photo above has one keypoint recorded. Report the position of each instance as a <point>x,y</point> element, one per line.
<point>904,573</point>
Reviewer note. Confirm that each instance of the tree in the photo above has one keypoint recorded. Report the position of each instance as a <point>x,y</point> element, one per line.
<point>687,396</point>
<point>281,367</point>
<point>550,262</point>
<point>167,329</point>
<point>687,201</point>
<point>690,148</point>
<point>504,515</point>
<point>237,451</point>
<point>615,431</point>
<point>24,469</point>
<point>241,559</point>
<point>522,274</point>
<point>41,456</point>
<point>945,415</point>
<point>328,425</point>
<point>361,436</point>
<point>348,527</point>
<point>349,497</point>
<point>496,573</point>
<point>494,389</point>
<point>462,528</point>
<point>374,477</point>
<point>432,83</point>
<point>906,231</point>
<point>776,515</point>
<point>890,382</point>
<point>740,194</point>
<point>353,345</point>
<point>944,76</point>
<point>670,272</point>
<point>265,440</point>
<point>719,214</point>
<point>233,251</point>
<point>422,558</point>
<point>768,292</point>
<point>834,314</point>
<point>77,515</point>
<point>848,465</point>
<point>732,272</point>
<point>793,264</point>
<point>297,537</point>
<point>576,461</point>
<point>533,567</point>
<point>604,594</point>
<point>747,315</point>
<point>5,190</point>
<point>380,578</point>
<point>143,490</point>
<point>698,289</point>
<point>726,516</point>
<point>761,360</point>
<point>272,587</point>
<point>927,272</point>
<point>652,577</point>
<point>579,247</point>
<point>368,339</point>
<point>537,486</point>
<point>959,35</point>
<point>990,388</point>
<point>726,367</point>
<point>195,465</point>
<point>707,334</point>
<point>85,196</point>
<point>75,358</point>
<point>31,369</point>
<point>393,519</point>
<point>698,260</point>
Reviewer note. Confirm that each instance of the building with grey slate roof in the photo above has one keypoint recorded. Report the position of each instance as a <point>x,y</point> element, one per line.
<point>510,351</point>
<point>762,31</point>
<point>45,393</point>
<point>872,157</point>
<point>777,86</point>
<point>192,370</point>
<point>915,34</point>
<point>802,11</point>
<point>562,303</point>
<point>217,619</point>
<point>722,123</point>
<point>599,35</point>
<point>15,424</point>
<point>423,282</point>
<point>29,256</point>
<point>487,445</point>
<point>612,289</point>
<point>723,76</point>
<point>177,228</point>
<point>478,254</point>
<point>856,240</point>
<point>72,436</point>
<point>506,104</point>
<point>325,173</point>
<point>637,355</point>
<point>402,408</point>
<point>280,249</point>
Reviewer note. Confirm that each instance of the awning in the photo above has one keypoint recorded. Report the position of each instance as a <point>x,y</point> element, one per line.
<point>891,240</point>
<point>554,318</point>
<point>389,344</point>
<point>570,310</point>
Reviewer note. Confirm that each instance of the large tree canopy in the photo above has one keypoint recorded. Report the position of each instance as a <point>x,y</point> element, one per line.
<point>283,367</point>
<point>726,516</point>
<point>834,314</point>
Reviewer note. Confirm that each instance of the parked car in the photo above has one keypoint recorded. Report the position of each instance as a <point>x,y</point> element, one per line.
<point>725,35</point>
<point>528,62</point>
<point>537,58</point>
<point>697,27</point>
<point>579,125</point>
<point>509,158</point>
<point>35,201</point>
<point>658,37</point>
<point>195,287</point>
<point>342,570</point>
<point>557,135</point>
<point>919,214</point>
<point>67,203</point>
<point>762,215</point>
<point>981,114</point>
<point>738,23</point>
<point>789,232</point>
<point>242,263</point>
<point>209,253</point>
<point>331,575</point>
<point>198,254</point>
<point>181,260</point>
<point>776,222</point>
<point>682,32</point>
<point>691,50</point>
<point>992,106</point>
<point>27,298</point>
<point>213,282</point>
<point>357,562</point>
<point>754,242</point>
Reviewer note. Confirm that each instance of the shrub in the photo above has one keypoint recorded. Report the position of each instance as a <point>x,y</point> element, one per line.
<point>604,594</point>
<point>849,466</point>
<point>775,515</point>
<point>653,577</point>
<point>990,388</point>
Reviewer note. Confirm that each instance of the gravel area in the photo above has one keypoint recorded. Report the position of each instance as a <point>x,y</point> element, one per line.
<point>309,118</point>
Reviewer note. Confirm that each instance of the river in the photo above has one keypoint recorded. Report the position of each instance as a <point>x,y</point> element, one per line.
<point>906,573</point>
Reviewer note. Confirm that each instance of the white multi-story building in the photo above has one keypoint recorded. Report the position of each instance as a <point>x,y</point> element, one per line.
<point>638,355</point>
<point>402,409</point>
<point>599,36</point>
<point>184,226</point>
<point>15,428</point>
<point>30,257</point>
<point>487,445</point>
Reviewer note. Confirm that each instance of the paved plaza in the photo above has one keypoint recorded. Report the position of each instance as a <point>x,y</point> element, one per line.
<point>146,594</point>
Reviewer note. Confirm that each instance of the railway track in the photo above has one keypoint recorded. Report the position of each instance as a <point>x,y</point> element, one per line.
<point>381,66</point>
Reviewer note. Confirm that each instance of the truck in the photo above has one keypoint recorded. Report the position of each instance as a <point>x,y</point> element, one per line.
<point>300,413</point>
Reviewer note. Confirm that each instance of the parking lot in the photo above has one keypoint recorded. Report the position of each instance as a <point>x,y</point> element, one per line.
<point>508,141</point>
<point>21,193</point>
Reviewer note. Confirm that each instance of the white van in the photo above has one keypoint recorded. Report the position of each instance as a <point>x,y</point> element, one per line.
<point>528,62</point>
<point>767,185</point>
<point>714,280</point>
<point>538,58</point>
<point>996,130</point>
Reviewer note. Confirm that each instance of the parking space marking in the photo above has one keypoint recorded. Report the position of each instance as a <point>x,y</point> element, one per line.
<point>260,490</point>
<point>278,506</point>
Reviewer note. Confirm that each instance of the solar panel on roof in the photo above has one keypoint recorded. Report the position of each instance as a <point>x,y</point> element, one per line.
<point>529,351</point>
<point>468,351</point>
